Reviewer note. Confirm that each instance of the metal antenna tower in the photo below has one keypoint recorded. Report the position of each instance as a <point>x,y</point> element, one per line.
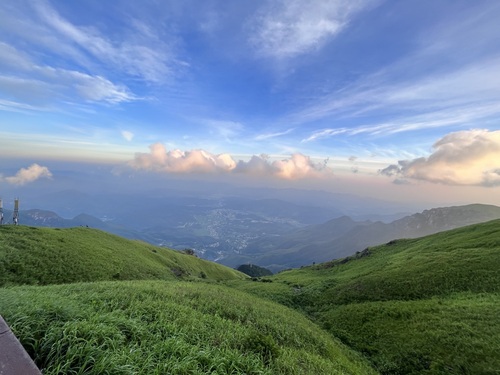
<point>15,218</point>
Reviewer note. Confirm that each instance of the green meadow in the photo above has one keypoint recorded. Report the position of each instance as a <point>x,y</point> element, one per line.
<point>85,302</point>
<point>34,255</point>
<point>166,312</point>
<point>412,306</point>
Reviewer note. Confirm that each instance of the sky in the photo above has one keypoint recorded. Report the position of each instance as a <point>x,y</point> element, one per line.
<point>398,100</point>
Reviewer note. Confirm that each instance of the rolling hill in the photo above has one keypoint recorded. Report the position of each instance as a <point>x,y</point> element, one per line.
<point>35,255</point>
<point>165,311</point>
<point>429,305</point>
<point>412,306</point>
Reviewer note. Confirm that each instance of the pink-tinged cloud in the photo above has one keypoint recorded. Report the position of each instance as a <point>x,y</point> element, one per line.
<point>460,158</point>
<point>159,159</point>
<point>30,174</point>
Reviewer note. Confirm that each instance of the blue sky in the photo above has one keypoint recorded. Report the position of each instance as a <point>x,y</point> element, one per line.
<point>371,93</point>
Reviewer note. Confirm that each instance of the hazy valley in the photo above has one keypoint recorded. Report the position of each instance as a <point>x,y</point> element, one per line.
<point>276,233</point>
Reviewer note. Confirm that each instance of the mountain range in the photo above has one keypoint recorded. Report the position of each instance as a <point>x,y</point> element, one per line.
<point>343,236</point>
<point>271,233</point>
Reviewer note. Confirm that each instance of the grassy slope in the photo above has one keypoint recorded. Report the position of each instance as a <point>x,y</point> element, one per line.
<point>158,327</point>
<point>31,255</point>
<point>429,305</point>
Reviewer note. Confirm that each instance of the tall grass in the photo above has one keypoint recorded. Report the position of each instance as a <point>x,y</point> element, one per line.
<point>419,306</point>
<point>155,327</point>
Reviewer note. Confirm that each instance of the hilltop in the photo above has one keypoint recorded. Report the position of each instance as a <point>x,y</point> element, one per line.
<point>429,305</point>
<point>35,255</point>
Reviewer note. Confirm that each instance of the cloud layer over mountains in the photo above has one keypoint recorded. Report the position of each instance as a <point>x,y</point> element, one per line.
<point>460,158</point>
<point>30,174</point>
<point>159,159</point>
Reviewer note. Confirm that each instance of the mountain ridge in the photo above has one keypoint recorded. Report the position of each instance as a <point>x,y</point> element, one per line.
<point>343,237</point>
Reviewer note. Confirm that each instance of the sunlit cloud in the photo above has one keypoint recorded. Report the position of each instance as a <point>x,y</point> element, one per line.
<point>159,159</point>
<point>30,174</point>
<point>460,158</point>
<point>288,28</point>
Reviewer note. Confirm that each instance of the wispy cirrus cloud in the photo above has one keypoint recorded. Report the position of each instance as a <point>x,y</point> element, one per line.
<point>287,28</point>
<point>431,120</point>
<point>65,61</point>
<point>417,91</point>
<point>224,128</point>
<point>46,83</point>
<point>459,158</point>
<point>140,53</point>
<point>265,136</point>
<point>161,160</point>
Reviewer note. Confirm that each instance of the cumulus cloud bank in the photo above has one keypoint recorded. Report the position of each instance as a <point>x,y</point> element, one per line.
<point>460,158</point>
<point>30,174</point>
<point>159,159</point>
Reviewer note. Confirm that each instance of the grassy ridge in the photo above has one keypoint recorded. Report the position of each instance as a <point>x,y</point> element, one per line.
<point>33,255</point>
<point>428,305</point>
<point>459,334</point>
<point>157,327</point>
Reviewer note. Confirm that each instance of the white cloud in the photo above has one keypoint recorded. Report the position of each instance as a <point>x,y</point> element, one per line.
<point>287,28</point>
<point>127,135</point>
<point>30,174</point>
<point>460,158</point>
<point>159,159</point>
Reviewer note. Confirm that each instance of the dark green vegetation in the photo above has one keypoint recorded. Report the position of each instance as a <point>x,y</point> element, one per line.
<point>32,255</point>
<point>191,326</point>
<point>254,270</point>
<point>414,306</point>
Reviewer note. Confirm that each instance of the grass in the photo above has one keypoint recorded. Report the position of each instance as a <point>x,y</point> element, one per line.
<point>428,305</point>
<point>158,327</point>
<point>419,306</point>
<point>41,256</point>
<point>459,334</point>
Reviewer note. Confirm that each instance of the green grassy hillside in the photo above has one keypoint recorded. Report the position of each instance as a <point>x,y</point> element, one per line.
<point>158,327</point>
<point>35,255</point>
<point>419,306</point>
